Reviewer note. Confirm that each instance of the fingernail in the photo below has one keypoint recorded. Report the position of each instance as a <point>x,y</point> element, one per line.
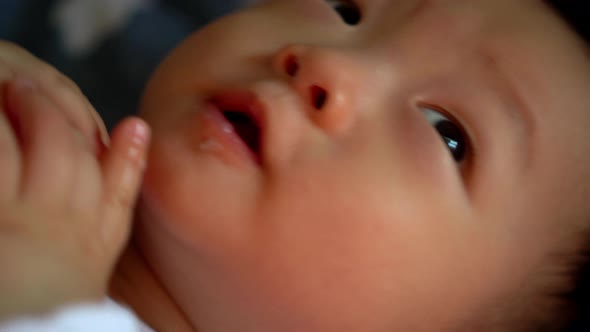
<point>141,135</point>
<point>141,132</point>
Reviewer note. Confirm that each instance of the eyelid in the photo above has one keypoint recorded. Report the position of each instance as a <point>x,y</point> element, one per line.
<point>437,115</point>
<point>356,9</point>
<point>464,128</point>
<point>450,116</point>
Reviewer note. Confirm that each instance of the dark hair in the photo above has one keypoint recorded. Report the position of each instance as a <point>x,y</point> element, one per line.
<point>577,15</point>
<point>578,298</point>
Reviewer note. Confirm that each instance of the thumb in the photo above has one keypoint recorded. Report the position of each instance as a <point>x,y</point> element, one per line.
<point>123,165</point>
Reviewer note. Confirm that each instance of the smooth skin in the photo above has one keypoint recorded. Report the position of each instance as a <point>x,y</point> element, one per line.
<point>359,219</point>
<point>67,191</point>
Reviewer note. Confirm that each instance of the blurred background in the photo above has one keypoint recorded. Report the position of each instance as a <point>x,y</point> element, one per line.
<point>108,47</point>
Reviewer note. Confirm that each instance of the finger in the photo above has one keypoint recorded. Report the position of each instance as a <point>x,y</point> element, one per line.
<point>47,143</point>
<point>86,192</point>
<point>10,159</point>
<point>62,91</point>
<point>13,56</point>
<point>69,99</point>
<point>123,165</point>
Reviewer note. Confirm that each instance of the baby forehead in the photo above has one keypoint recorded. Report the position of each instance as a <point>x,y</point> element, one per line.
<point>449,17</point>
<point>431,26</point>
<point>442,30</point>
<point>525,40</point>
<point>512,31</point>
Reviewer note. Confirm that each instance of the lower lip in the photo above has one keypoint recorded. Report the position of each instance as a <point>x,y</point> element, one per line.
<point>219,137</point>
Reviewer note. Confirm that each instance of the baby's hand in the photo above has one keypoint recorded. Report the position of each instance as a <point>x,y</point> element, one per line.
<point>59,89</point>
<point>65,209</point>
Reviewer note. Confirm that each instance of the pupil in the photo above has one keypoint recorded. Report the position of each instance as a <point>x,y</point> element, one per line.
<point>349,13</point>
<point>453,138</point>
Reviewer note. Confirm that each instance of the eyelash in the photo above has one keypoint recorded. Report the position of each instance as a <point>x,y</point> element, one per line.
<point>349,12</point>
<point>465,153</point>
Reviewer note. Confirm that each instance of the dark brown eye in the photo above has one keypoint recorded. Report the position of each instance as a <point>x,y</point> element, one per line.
<point>348,11</point>
<point>450,132</point>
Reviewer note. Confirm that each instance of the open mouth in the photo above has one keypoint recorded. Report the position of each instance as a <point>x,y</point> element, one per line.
<point>246,128</point>
<point>243,112</point>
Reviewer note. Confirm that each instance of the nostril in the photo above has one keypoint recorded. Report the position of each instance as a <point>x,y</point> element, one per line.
<point>292,66</point>
<point>319,96</point>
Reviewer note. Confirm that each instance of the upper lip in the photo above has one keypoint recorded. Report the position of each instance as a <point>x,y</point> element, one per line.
<point>279,114</point>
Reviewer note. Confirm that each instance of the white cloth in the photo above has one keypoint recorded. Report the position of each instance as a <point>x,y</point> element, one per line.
<point>101,317</point>
<point>83,24</point>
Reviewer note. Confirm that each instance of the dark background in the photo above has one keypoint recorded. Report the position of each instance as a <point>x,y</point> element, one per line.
<point>112,76</point>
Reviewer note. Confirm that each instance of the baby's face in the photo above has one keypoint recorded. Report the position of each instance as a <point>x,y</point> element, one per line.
<point>350,212</point>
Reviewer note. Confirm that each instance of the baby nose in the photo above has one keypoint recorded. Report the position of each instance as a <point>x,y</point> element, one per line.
<point>325,80</point>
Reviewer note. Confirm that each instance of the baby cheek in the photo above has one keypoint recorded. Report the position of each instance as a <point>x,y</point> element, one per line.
<point>354,262</point>
<point>423,167</point>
